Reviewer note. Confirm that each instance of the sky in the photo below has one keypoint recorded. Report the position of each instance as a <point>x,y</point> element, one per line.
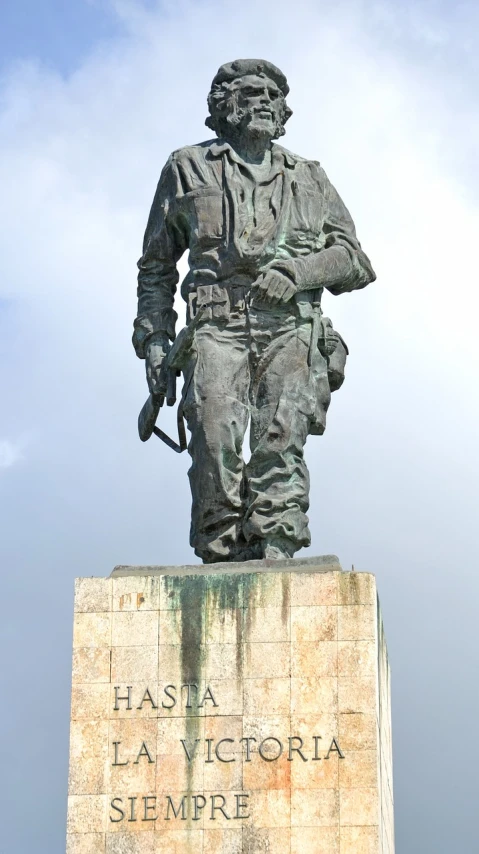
<point>94,95</point>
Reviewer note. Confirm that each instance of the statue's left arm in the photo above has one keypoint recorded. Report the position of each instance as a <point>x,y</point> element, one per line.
<point>341,265</point>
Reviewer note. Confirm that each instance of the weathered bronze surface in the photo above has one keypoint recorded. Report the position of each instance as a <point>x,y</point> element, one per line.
<point>266,232</point>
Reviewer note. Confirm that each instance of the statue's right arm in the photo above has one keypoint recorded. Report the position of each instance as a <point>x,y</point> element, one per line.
<point>163,245</point>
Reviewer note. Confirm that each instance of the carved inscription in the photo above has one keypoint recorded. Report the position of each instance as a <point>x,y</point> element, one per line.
<point>194,806</point>
<point>170,696</point>
<point>167,807</point>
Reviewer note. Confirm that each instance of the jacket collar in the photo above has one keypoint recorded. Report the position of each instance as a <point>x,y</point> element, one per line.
<point>280,156</point>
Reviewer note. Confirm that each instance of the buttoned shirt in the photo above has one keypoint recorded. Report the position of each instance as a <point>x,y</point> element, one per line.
<point>237,225</point>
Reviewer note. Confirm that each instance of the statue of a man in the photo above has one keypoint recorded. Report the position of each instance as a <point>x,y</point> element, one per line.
<point>266,233</point>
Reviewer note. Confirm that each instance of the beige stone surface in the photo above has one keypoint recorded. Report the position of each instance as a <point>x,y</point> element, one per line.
<point>134,628</point>
<point>237,713</point>
<point>91,665</point>
<point>135,594</point>
<point>93,594</point>
<point>90,701</point>
<point>86,813</point>
<point>86,843</point>
<point>88,757</point>
<point>92,629</point>
<point>134,664</point>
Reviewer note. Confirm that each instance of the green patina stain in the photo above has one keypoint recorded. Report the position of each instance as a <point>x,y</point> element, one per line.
<point>187,596</point>
<point>200,602</point>
<point>351,588</point>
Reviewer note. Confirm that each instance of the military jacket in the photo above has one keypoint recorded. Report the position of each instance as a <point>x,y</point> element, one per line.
<point>235,226</point>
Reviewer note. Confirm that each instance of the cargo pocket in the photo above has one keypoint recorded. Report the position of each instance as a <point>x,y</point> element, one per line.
<point>209,220</point>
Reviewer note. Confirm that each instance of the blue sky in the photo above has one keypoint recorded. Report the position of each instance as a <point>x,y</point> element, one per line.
<point>93,97</point>
<point>56,33</point>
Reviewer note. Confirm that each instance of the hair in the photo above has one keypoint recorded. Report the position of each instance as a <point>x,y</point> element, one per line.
<point>225,115</point>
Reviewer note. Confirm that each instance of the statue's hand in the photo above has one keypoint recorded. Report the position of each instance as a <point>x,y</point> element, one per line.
<point>156,351</point>
<point>272,288</point>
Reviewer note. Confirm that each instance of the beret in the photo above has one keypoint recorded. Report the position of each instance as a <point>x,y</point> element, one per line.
<point>240,67</point>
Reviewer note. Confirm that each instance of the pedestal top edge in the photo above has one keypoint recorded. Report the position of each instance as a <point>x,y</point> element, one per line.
<point>322,563</point>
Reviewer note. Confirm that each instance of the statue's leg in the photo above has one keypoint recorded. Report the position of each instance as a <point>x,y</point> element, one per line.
<point>282,403</point>
<point>217,411</point>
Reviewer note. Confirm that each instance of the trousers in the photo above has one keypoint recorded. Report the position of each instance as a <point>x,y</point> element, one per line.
<point>257,368</point>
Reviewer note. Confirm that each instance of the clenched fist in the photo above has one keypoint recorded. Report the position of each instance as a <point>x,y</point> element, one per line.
<point>272,288</point>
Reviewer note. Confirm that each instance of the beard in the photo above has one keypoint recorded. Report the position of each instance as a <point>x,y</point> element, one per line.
<point>245,123</point>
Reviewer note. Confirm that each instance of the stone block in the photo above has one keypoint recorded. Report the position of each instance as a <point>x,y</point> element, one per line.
<point>314,658</point>
<point>172,730</point>
<point>130,843</point>
<point>267,625</point>
<point>270,590</point>
<point>314,623</point>
<point>359,806</point>
<point>224,625</point>
<point>222,660</point>
<point>271,808</point>
<point>358,731</point>
<point>310,840</point>
<point>86,813</point>
<point>179,841</point>
<point>316,774</point>
<point>266,660</point>
<point>224,727</point>
<point>358,769</point>
<point>134,664</point>
<point>230,709</point>
<point>93,594</point>
<point>265,839</point>
<point>88,757</point>
<point>267,775</point>
<point>314,588</point>
<point>223,841</point>
<point>259,728</point>
<point>360,840</point>
<point>134,628</point>
<point>135,594</point>
<point>315,808</point>
<point>91,665</point>
<point>357,658</point>
<point>176,625</point>
<point>90,701</point>
<point>92,629</point>
<point>224,776</point>
<point>357,588</point>
<point>317,692</point>
<point>357,694</point>
<point>86,843</point>
<point>265,697</point>
<point>228,694</point>
<point>357,622</point>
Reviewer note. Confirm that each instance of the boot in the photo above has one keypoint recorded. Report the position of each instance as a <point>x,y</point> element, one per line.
<point>278,548</point>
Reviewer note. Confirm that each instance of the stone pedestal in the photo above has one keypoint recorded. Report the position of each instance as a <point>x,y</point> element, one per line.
<point>230,709</point>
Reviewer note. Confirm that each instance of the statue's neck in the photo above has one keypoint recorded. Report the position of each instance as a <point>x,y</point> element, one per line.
<point>253,150</point>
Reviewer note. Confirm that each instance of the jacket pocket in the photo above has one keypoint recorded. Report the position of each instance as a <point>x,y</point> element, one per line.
<point>304,226</point>
<point>207,210</point>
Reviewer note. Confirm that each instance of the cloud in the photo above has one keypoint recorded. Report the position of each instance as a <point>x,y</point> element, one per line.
<point>10,454</point>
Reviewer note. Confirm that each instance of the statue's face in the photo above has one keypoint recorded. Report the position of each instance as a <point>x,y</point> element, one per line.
<point>259,102</point>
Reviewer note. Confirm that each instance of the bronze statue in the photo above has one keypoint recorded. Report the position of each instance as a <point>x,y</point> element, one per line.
<point>266,233</point>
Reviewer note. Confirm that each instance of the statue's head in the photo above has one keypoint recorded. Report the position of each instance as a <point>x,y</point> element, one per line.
<point>248,98</point>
